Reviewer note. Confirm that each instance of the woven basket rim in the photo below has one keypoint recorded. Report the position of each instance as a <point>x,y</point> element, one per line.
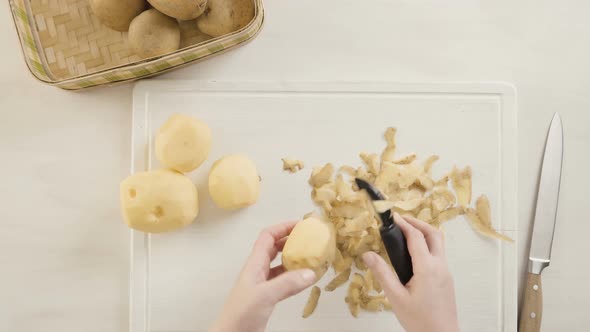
<point>255,25</point>
<point>22,47</point>
<point>115,83</point>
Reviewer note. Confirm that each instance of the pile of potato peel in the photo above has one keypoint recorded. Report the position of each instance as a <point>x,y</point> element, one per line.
<point>409,189</point>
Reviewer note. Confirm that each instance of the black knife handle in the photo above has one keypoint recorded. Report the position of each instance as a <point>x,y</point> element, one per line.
<point>397,250</point>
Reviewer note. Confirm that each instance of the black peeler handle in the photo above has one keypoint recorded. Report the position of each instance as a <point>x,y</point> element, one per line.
<point>397,250</point>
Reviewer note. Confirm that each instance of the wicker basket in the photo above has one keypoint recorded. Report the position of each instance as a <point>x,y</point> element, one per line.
<point>65,45</point>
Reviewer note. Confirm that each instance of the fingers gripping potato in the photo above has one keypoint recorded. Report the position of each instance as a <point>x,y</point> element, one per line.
<point>311,245</point>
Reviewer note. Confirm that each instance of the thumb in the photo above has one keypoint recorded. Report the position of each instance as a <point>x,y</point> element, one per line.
<point>384,273</point>
<point>289,284</point>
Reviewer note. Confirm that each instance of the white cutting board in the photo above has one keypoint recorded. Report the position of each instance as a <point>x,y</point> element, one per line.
<point>179,280</point>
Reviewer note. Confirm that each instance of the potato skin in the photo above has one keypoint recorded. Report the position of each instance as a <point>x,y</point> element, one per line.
<point>158,201</point>
<point>153,34</point>
<point>183,143</point>
<point>311,245</point>
<point>234,182</point>
<point>190,34</point>
<point>117,14</point>
<point>183,10</point>
<point>225,16</point>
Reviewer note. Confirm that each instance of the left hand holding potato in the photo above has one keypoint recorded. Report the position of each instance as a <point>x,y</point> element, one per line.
<point>259,287</point>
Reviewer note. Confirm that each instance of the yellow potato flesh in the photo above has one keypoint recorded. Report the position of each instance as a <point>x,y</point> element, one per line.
<point>234,182</point>
<point>311,245</point>
<point>183,143</point>
<point>158,201</point>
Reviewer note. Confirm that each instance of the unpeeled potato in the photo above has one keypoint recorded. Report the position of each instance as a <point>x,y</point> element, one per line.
<point>234,182</point>
<point>180,9</point>
<point>117,14</point>
<point>153,34</point>
<point>311,245</point>
<point>225,16</point>
<point>183,143</point>
<point>158,201</point>
<point>190,34</point>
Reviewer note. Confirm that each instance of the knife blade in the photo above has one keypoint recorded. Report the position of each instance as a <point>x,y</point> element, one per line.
<point>543,227</point>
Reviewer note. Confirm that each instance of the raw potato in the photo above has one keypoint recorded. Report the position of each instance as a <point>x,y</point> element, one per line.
<point>117,14</point>
<point>226,16</point>
<point>312,301</point>
<point>183,143</point>
<point>234,182</point>
<point>158,201</point>
<point>311,245</point>
<point>153,34</point>
<point>181,9</point>
<point>190,34</point>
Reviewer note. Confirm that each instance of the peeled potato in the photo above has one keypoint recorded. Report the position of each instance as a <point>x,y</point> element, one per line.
<point>158,201</point>
<point>183,143</point>
<point>117,14</point>
<point>181,9</point>
<point>153,34</point>
<point>311,245</point>
<point>225,16</point>
<point>234,182</point>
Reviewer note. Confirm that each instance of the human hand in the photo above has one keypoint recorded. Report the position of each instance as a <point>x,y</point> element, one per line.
<point>427,302</point>
<point>259,287</point>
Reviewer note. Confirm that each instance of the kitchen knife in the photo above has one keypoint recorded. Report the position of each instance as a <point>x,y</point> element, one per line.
<point>543,228</point>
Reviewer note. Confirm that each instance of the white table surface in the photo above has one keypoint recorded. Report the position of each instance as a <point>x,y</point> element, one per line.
<point>63,248</point>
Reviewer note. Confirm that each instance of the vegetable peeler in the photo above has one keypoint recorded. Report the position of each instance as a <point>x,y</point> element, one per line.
<point>392,236</point>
